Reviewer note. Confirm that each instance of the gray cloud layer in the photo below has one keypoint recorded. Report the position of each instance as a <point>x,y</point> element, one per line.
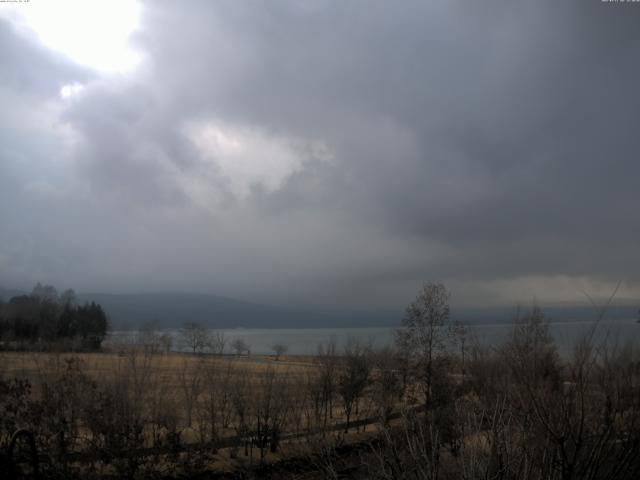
<point>332,152</point>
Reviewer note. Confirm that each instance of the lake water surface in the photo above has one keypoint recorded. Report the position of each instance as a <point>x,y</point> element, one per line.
<point>305,341</point>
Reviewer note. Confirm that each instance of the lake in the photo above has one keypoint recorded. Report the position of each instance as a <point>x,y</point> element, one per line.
<point>304,341</point>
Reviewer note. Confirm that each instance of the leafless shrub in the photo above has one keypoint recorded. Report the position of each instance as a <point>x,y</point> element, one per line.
<point>243,409</point>
<point>240,346</point>
<point>271,409</point>
<point>408,451</point>
<point>387,385</point>
<point>354,378</point>
<point>217,343</point>
<point>194,337</point>
<point>215,407</point>
<point>327,363</point>
<point>279,349</point>
<point>190,377</point>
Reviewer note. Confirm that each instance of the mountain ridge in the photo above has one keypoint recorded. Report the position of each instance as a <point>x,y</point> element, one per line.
<point>173,309</point>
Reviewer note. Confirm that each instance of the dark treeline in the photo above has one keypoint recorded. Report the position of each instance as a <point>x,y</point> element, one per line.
<point>45,319</point>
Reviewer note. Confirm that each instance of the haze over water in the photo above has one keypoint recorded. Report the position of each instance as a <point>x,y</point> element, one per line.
<point>305,341</point>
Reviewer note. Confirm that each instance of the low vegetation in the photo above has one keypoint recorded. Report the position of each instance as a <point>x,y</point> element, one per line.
<point>437,406</point>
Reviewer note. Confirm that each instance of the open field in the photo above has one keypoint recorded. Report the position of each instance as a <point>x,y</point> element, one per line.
<point>168,365</point>
<point>181,403</point>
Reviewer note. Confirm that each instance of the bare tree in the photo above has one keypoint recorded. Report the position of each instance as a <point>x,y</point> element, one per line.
<point>271,406</point>
<point>328,369</point>
<point>460,333</point>
<point>68,298</point>
<point>148,338</point>
<point>216,408</point>
<point>240,346</point>
<point>354,378</point>
<point>279,349</point>
<point>217,343</point>
<point>424,334</point>
<point>387,382</point>
<point>194,336</point>
<point>531,351</point>
<point>314,390</point>
<point>166,342</point>
<point>190,377</point>
<point>243,408</point>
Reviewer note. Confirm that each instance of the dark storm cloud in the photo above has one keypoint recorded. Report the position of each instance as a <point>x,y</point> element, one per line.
<point>124,138</point>
<point>474,143</point>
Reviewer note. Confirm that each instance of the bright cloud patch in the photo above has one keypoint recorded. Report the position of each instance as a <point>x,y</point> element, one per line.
<point>70,90</point>
<point>93,33</point>
<point>245,157</point>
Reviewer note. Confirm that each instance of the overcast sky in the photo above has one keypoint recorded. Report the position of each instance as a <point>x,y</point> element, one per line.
<point>325,153</point>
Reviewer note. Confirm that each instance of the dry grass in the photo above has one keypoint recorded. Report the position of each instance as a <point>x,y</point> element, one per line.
<point>100,365</point>
<point>163,376</point>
